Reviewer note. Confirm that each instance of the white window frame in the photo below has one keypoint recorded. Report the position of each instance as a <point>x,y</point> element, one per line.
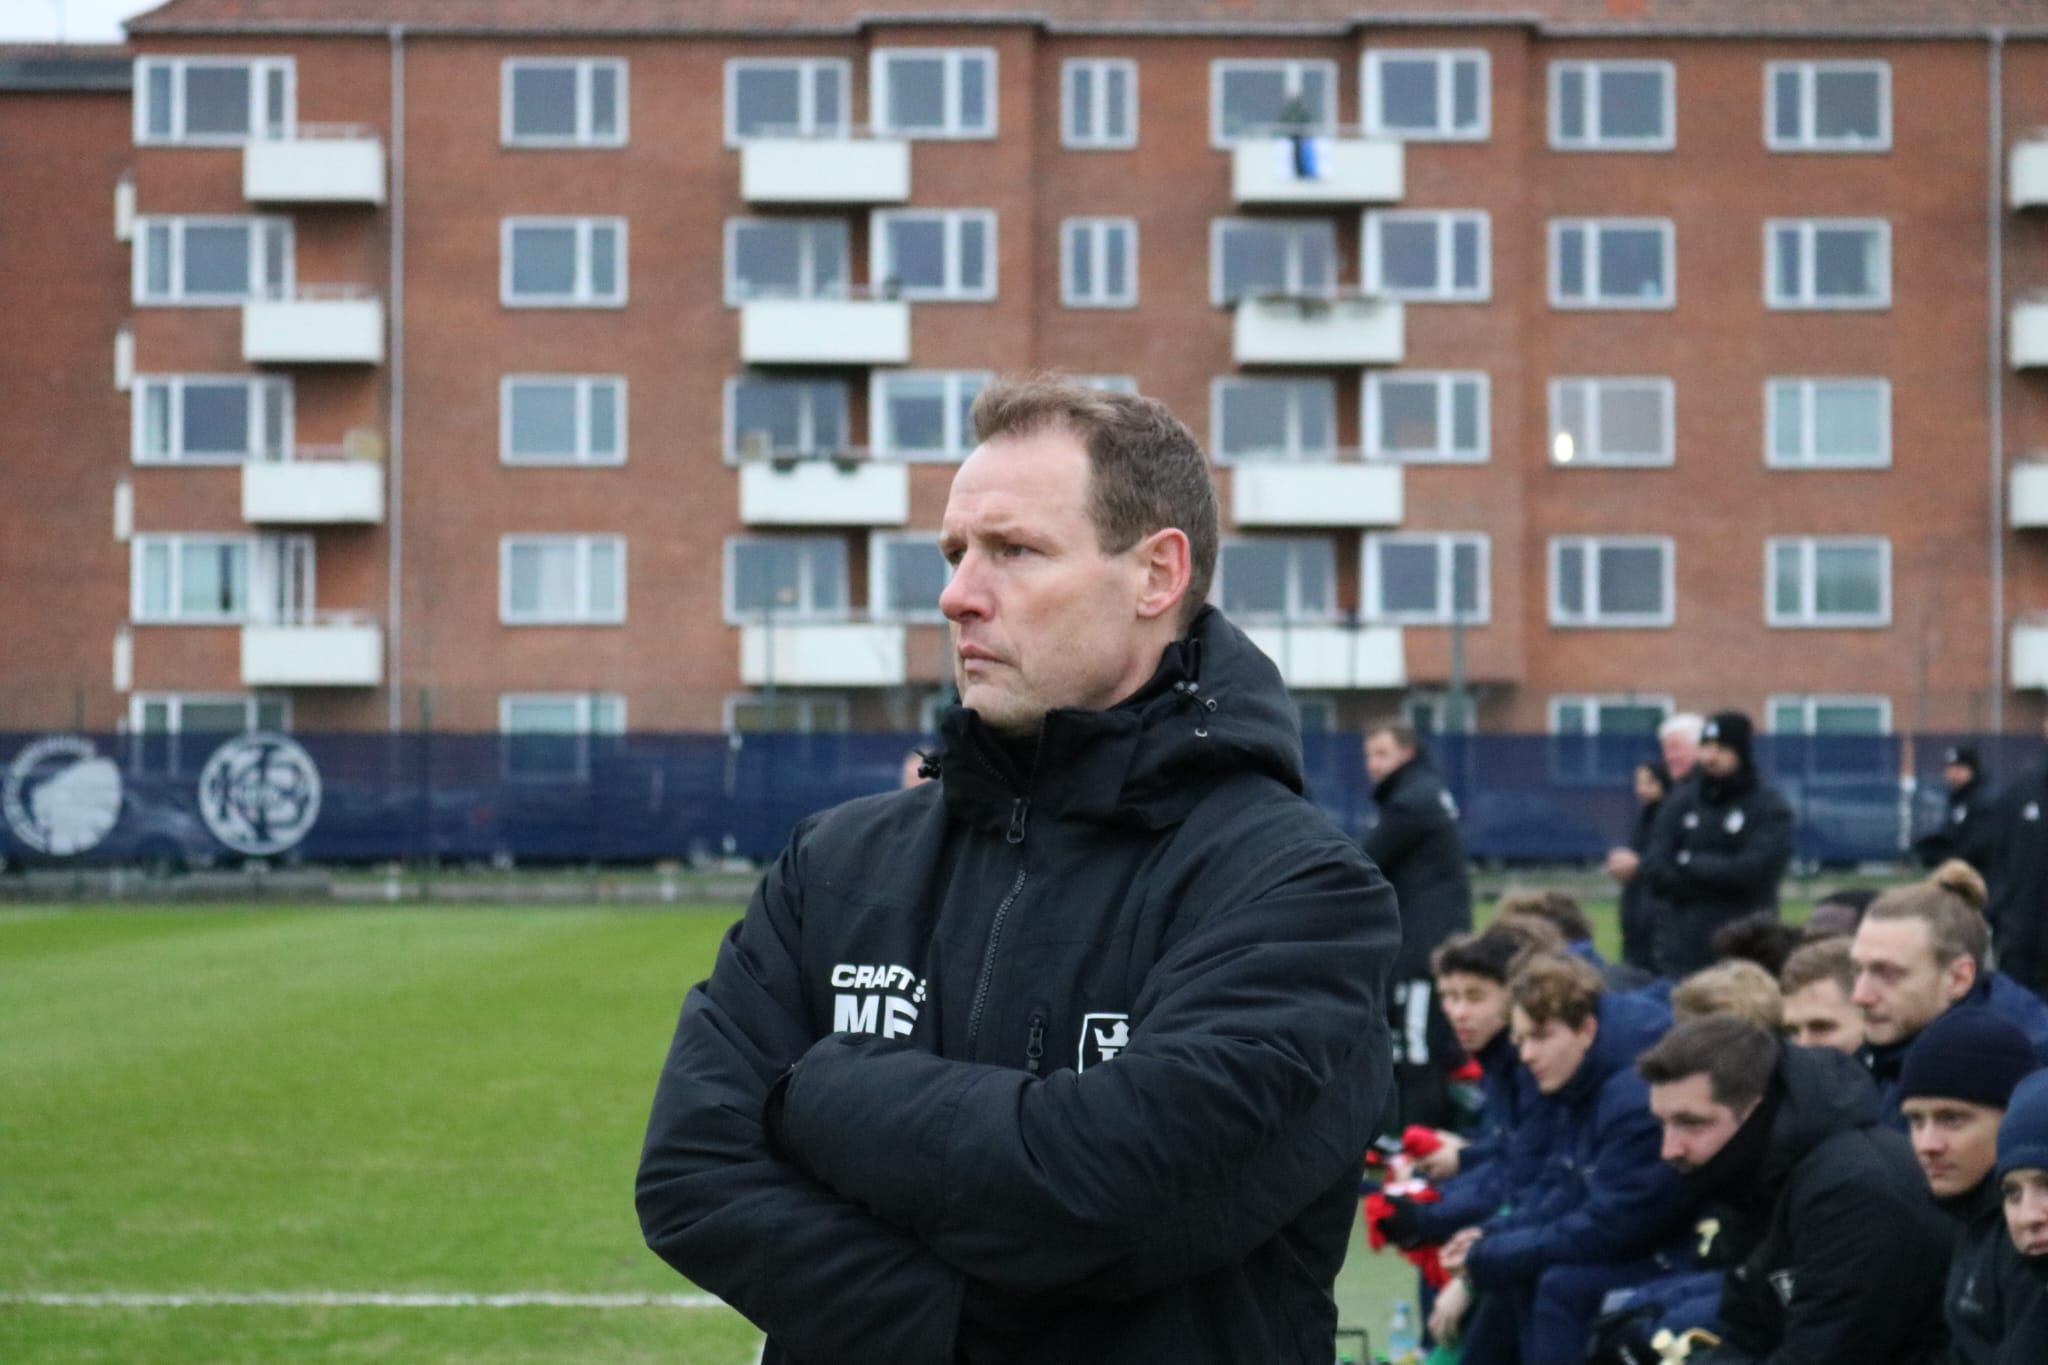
<point>583,455</point>
<point>1808,617</point>
<point>1810,703</point>
<point>1594,72</point>
<point>1807,140</point>
<point>178,67</point>
<point>585,135</point>
<point>1295,230</point>
<point>1099,68</point>
<point>1806,300</point>
<point>257,225</point>
<point>1293,451</point>
<point>805,608</point>
<point>954,128</point>
<point>809,123</point>
<point>809,288</point>
<point>583,296</point>
<point>878,606</point>
<point>582,614</point>
<point>882,439</point>
<point>1446,60</point>
<point>1293,613</point>
<point>270,558</point>
<point>1805,390</point>
<point>1447,222</point>
<point>1446,544</point>
<point>1562,619</point>
<point>1292,69</point>
<point>588,724</point>
<point>1446,383</point>
<point>176,702</point>
<point>807,418</point>
<point>1097,232</point>
<point>264,389</point>
<point>953,290</point>
<point>1594,387</point>
<point>586,704</point>
<point>1592,702</point>
<point>810,708</point>
<point>1596,230</point>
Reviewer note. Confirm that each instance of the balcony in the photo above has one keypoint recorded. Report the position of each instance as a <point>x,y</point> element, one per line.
<point>317,486</point>
<point>844,490</point>
<point>2029,172</point>
<point>1335,657</point>
<point>2027,498</point>
<point>330,650</point>
<point>1347,170</point>
<point>2030,653</point>
<point>321,164</point>
<point>825,332</point>
<point>823,654</point>
<point>2029,344</point>
<point>795,170</point>
<point>1315,493</point>
<point>317,325</point>
<point>1311,330</point>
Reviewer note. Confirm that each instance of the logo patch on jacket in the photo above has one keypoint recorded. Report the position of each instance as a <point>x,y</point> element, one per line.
<point>1102,1037</point>
<point>875,998</point>
<point>1733,824</point>
<point>2032,812</point>
<point>1781,1284</point>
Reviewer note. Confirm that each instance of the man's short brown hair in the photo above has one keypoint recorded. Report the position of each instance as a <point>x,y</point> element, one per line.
<point>1735,1056</point>
<point>1738,987</point>
<point>1401,731</point>
<point>1560,908</point>
<point>1951,904</point>
<point>1825,960</point>
<point>1146,471</point>
<point>1556,987</point>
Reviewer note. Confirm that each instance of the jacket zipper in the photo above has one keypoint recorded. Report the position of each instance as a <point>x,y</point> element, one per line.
<point>1034,1047</point>
<point>1020,814</point>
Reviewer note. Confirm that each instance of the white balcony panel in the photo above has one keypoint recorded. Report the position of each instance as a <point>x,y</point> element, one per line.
<point>2029,173</point>
<point>822,654</point>
<point>1335,657</point>
<point>313,170</point>
<point>825,332</point>
<point>313,331</point>
<point>1319,332</point>
<point>1289,493</point>
<point>2027,502</point>
<point>824,493</point>
<point>341,654</point>
<point>2029,344</point>
<point>2030,654</point>
<point>1350,170</point>
<point>825,171</point>
<point>313,493</point>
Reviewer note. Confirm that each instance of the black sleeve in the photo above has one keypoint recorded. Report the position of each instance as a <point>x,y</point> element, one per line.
<point>1403,824</point>
<point>1660,854</point>
<point>1755,868</point>
<point>823,1277</point>
<point>1256,1066</point>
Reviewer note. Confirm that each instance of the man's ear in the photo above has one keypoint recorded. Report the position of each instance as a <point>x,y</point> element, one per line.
<point>1168,565</point>
<point>1962,975</point>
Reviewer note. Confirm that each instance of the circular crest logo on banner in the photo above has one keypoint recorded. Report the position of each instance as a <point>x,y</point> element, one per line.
<point>60,796</point>
<point>260,793</point>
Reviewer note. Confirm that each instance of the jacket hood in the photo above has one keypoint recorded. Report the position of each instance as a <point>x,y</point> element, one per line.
<point>1215,707</point>
<point>1824,1092</point>
<point>1629,1027</point>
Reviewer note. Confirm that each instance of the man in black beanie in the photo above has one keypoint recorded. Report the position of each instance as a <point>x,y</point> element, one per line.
<point>1969,824</point>
<point>2023,1179</point>
<point>1720,847</point>
<point>1958,1079</point>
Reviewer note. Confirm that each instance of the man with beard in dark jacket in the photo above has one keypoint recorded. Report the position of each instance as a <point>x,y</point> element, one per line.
<point>2018,909</point>
<point>1838,1254</point>
<point>1969,823</point>
<point>1720,848</point>
<point>1958,1080</point>
<point>1414,841</point>
<point>1073,1053</point>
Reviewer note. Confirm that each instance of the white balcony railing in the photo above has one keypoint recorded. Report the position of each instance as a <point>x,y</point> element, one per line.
<point>333,163</point>
<point>2026,502</point>
<point>336,324</point>
<point>317,486</point>
<point>844,489</point>
<point>827,331</point>
<point>2030,653</point>
<point>326,649</point>
<point>1317,492</point>
<point>1346,169</point>
<point>1334,656</point>
<point>839,170</point>
<point>1340,329</point>
<point>795,653</point>
<point>2029,342</point>
<point>2028,176</point>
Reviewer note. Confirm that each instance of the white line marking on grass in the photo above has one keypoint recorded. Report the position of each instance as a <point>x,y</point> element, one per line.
<point>346,1299</point>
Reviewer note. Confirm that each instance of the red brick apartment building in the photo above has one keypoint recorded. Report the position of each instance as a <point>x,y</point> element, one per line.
<point>540,364</point>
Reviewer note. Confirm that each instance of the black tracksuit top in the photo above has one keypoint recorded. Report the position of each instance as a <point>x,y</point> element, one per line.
<point>1071,1065</point>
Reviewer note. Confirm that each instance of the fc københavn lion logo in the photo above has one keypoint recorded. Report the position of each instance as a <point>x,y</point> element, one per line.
<point>60,796</point>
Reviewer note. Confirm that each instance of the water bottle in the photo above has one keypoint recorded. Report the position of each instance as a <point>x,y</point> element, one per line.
<point>1402,1346</point>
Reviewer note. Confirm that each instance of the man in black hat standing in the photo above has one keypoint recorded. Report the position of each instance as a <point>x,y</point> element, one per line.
<point>1721,846</point>
<point>2019,880</point>
<point>1969,829</point>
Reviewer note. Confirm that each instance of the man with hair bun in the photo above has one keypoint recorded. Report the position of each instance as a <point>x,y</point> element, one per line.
<point>1919,953</point>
